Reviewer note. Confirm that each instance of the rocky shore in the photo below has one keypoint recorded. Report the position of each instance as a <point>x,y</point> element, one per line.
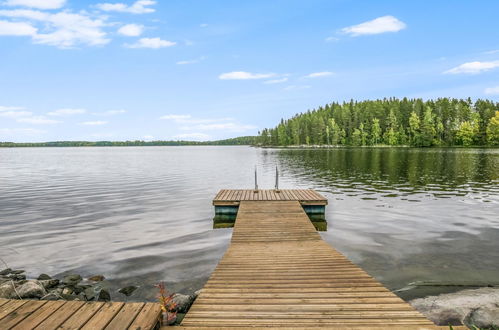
<point>475,308</point>
<point>14,284</point>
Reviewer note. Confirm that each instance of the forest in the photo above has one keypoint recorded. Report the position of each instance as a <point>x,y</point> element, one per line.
<point>409,122</point>
<point>242,140</point>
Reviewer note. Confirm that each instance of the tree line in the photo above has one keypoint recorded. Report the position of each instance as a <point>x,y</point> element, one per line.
<point>414,122</point>
<point>243,140</point>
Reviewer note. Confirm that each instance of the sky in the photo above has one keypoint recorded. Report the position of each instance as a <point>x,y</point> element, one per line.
<point>207,70</point>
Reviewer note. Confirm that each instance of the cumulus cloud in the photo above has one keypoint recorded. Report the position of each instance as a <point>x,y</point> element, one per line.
<point>109,112</point>
<point>17,29</point>
<point>319,74</point>
<point>376,26</point>
<point>138,7</point>
<point>473,67</point>
<point>175,117</point>
<point>67,112</point>
<point>492,90</point>
<point>192,136</point>
<point>94,123</point>
<point>197,60</point>
<point>38,4</point>
<point>10,108</point>
<point>38,120</point>
<point>15,114</point>
<point>63,29</point>
<point>242,75</point>
<point>131,30</point>
<point>276,81</point>
<point>153,43</point>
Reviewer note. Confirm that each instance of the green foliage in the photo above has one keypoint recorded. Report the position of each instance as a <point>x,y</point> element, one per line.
<point>441,122</point>
<point>243,140</point>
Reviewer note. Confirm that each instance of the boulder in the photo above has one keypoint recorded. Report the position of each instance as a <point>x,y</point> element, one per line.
<point>6,271</point>
<point>97,278</point>
<point>48,284</point>
<point>7,290</point>
<point>183,302</point>
<point>51,296</point>
<point>472,305</point>
<point>17,271</point>
<point>17,277</point>
<point>44,277</point>
<point>97,292</point>
<point>31,289</point>
<point>71,280</point>
<point>486,317</point>
<point>128,290</point>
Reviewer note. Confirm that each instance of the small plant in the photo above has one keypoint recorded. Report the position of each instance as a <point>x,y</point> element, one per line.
<point>167,304</point>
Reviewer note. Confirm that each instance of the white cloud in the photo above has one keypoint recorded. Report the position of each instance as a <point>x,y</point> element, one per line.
<point>38,120</point>
<point>197,60</point>
<point>15,114</point>
<point>175,117</point>
<point>376,26</point>
<point>67,112</point>
<point>17,29</point>
<point>331,39</point>
<point>492,90</point>
<point>319,74</point>
<point>231,127</point>
<point>148,137</point>
<point>276,81</point>
<point>8,132</point>
<point>192,136</point>
<point>138,7</point>
<point>109,112</point>
<point>296,87</point>
<point>242,75</point>
<point>38,4</point>
<point>63,29</point>
<point>131,30</point>
<point>154,43</point>
<point>473,67</point>
<point>94,123</point>
<point>5,108</point>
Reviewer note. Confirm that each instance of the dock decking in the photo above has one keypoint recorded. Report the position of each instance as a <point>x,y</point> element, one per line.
<point>278,272</point>
<point>51,315</point>
<point>228,197</point>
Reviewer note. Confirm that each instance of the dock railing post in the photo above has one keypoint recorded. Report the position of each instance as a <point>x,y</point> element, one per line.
<point>256,183</point>
<point>277,180</point>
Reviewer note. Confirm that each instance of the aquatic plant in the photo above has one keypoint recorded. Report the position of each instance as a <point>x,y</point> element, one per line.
<point>167,303</point>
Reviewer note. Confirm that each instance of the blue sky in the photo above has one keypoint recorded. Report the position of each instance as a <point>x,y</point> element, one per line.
<point>197,70</point>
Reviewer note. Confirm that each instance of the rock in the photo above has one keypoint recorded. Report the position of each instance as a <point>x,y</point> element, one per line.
<point>196,293</point>
<point>44,277</point>
<point>6,271</point>
<point>97,278</point>
<point>51,296</point>
<point>183,302</point>
<point>17,277</point>
<point>459,307</point>
<point>70,297</point>
<point>72,279</point>
<point>18,271</point>
<point>98,293</point>
<point>486,317</point>
<point>31,289</point>
<point>7,290</point>
<point>128,290</point>
<point>67,290</point>
<point>48,284</point>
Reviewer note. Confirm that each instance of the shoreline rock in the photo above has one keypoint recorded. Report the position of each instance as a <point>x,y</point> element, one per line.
<point>471,307</point>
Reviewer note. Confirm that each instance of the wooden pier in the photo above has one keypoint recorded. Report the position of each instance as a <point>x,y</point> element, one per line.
<point>51,315</point>
<point>278,272</point>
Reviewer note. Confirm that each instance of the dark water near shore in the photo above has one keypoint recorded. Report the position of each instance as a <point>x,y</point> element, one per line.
<point>140,215</point>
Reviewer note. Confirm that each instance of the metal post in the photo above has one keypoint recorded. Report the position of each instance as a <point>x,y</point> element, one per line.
<point>256,182</point>
<point>277,179</point>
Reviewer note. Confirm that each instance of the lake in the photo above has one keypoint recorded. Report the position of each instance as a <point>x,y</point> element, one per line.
<point>141,215</point>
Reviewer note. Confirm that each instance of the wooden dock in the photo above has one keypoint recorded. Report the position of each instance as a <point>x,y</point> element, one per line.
<point>51,315</point>
<point>278,272</point>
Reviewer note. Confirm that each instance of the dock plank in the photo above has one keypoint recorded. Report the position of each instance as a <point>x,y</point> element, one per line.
<point>278,272</point>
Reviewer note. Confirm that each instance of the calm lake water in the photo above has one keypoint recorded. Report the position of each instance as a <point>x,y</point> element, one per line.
<point>140,215</point>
